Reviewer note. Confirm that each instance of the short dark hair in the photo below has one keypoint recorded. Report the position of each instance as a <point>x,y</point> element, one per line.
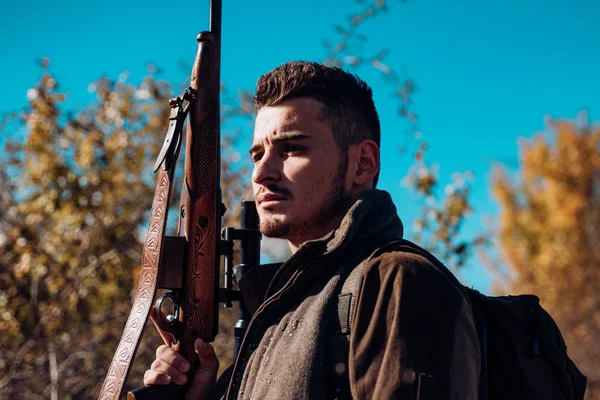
<point>347,100</point>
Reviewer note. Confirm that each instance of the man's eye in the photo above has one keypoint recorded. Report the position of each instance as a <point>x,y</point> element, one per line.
<point>291,148</point>
<point>256,157</point>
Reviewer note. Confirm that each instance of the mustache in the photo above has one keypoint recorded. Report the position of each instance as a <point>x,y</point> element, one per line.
<point>274,189</point>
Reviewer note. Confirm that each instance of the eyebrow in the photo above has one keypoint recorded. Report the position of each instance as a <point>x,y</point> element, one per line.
<point>284,137</point>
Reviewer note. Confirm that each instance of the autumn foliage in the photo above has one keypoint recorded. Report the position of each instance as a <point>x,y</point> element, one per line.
<point>549,234</point>
<point>76,189</point>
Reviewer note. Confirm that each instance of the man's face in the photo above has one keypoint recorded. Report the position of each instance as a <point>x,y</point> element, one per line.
<point>299,177</point>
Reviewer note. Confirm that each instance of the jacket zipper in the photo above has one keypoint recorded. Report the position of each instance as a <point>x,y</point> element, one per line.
<point>241,360</point>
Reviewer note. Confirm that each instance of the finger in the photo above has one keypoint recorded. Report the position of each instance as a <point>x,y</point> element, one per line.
<point>167,337</point>
<point>206,354</point>
<point>156,378</point>
<point>173,358</point>
<point>206,374</point>
<point>176,375</point>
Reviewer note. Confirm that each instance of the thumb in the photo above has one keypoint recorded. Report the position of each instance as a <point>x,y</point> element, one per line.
<point>205,376</point>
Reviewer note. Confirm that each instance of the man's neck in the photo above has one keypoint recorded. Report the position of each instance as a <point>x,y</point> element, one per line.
<point>317,233</point>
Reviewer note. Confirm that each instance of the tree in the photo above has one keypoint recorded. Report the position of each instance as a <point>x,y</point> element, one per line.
<point>76,193</point>
<point>549,234</point>
<point>438,227</point>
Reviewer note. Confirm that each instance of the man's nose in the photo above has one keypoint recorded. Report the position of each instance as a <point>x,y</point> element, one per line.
<point>267,169</point>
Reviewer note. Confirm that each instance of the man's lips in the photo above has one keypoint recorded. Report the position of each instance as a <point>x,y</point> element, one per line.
<point>270,199</point>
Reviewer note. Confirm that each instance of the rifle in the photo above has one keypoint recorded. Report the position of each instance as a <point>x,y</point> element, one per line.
<point>188,264</point>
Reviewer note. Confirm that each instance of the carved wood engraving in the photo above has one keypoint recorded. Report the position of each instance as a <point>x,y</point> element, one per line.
<point>195,320</point>
<point>121,363</point>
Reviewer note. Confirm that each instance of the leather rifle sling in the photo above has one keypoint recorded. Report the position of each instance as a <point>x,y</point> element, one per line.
<point>151,255</point>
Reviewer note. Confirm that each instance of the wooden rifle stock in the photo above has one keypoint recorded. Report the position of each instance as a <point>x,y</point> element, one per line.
<point>187,264</point>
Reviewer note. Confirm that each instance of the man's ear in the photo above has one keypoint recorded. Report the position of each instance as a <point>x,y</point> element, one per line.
<point>365,163</point>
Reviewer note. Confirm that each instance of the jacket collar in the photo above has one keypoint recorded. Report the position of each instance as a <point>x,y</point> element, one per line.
<point>372,217</point>
<point>371,221</point>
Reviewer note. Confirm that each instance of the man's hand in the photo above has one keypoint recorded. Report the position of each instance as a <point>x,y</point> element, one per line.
<point>171,367</point>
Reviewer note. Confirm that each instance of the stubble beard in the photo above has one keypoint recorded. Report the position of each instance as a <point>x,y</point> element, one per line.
<point>334,204</point>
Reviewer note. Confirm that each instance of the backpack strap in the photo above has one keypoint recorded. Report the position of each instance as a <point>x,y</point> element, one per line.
<point>338,346</point>
<point>347,298</point>
<point>477,300</point>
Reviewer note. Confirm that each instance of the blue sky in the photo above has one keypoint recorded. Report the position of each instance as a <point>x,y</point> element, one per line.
<point>487,72</point>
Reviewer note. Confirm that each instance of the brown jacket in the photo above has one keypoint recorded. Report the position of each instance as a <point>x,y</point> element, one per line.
<point>413,335</point>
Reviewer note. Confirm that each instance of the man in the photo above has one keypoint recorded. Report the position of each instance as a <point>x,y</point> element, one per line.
<point>316,164</point>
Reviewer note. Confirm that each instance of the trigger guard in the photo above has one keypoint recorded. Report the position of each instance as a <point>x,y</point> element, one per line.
<point>167,326</point>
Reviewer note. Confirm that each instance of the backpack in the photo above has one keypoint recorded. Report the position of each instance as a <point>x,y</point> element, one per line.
<point>523,354</point>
